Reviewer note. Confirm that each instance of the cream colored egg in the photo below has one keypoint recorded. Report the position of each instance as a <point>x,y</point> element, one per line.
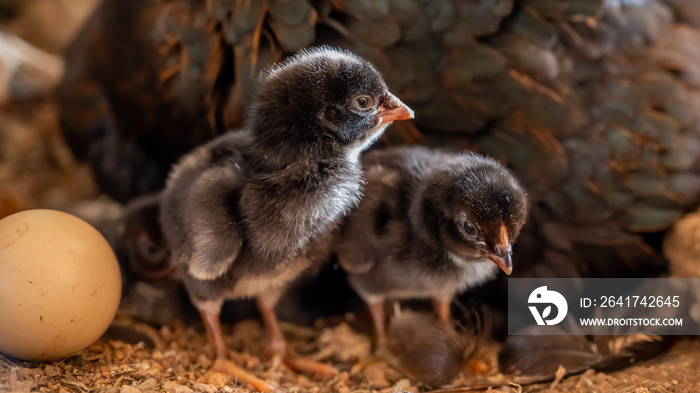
<point>59,285</point>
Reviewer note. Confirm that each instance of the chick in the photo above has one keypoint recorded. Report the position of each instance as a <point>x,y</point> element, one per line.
<point>140,243</point>
<point>431,224</point>
<point>249,212</point>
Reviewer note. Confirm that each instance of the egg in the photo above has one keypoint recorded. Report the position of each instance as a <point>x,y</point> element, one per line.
<point>59,285</point>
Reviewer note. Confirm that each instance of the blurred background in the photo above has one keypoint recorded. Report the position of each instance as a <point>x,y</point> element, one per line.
<point>36,167</point>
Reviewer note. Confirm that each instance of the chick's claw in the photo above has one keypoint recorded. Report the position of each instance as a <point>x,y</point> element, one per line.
<point>278,354</point>
<point>276,346</point>
<point>239,375</point>
<point>301,364</point>
<point>381,355</point>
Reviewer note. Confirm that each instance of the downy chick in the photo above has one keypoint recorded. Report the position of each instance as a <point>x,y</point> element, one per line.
<point>249,212</point>
<point>431,224</point>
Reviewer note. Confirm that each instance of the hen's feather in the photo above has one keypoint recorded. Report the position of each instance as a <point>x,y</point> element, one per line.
<point>592,103</point>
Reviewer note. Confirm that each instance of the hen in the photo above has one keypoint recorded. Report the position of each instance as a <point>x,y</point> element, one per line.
<point>593,103</point>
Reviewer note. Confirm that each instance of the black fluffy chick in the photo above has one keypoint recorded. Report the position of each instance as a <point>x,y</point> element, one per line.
<point>140,240</point>
<point>431,224</point>
<point>249,212</point>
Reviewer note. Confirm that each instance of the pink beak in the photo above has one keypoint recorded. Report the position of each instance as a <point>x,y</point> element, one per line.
<point>397,111</point>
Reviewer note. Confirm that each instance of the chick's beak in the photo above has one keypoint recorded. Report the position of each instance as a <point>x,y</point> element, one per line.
<point>504,262</point>
<point>394,110</point>
<point>502,255</point>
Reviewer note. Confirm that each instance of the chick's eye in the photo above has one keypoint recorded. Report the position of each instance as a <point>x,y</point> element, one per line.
<point>470,228</point>
<point>149,250</point>
<point>363,102</point>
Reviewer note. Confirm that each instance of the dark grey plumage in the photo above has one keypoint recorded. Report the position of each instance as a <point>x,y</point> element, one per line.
<point>250,211</point>
<point>236,233</point>
<point>409,237</point>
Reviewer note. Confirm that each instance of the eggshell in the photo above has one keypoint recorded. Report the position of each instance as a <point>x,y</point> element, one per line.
<point>59,285</point>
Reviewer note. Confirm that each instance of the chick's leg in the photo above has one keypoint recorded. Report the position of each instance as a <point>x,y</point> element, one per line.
<point>442,307</point>
<point>222,364</point>
<point>276,346</point>
<point>381,349</point>
<point>275,340</point>
<point>376,308</point>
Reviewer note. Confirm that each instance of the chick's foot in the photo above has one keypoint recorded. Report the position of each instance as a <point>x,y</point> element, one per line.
<point>301,364</point>
<point>381,354</point>
<point>276,347</point>
<point>239,375</point>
